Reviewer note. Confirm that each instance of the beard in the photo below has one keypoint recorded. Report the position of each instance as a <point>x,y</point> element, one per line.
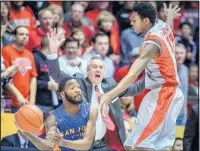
<point>72,100</point>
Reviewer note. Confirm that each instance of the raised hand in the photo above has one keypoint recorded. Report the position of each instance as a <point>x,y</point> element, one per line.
<point>55,38</point>
<point>172,12</point>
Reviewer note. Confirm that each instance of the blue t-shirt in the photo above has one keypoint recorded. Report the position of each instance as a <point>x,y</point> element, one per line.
<point>72,126</point>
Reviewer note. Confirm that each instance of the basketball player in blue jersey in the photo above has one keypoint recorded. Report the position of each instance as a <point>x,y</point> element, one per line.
<point>72,125</point>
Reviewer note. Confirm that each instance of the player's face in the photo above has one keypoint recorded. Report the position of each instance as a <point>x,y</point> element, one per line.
<point>72,92</point>
<point>137,23</point>
<point>22,36</point>
<point>96,71</point>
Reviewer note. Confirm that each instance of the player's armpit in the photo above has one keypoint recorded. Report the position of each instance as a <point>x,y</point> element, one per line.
<point>151,48</point>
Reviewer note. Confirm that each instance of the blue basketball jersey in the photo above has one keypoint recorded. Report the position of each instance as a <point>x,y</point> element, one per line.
<point>72,126</point>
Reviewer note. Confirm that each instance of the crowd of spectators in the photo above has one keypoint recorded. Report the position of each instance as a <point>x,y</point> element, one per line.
<point>90,28</point>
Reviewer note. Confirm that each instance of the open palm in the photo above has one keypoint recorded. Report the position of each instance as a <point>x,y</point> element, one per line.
<point>172,11</point>
<point>55,38</point>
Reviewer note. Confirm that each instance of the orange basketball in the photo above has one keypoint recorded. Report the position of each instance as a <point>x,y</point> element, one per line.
<point>29,118</point>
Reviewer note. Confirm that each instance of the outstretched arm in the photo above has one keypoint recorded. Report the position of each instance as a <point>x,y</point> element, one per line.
<point>148,52</point>
<point>134,89</point>
<point>55,40</point>
<point>44,144</point>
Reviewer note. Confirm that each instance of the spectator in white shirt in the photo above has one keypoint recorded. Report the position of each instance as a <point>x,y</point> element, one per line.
<point>71,63</point>
<point>101,47</point>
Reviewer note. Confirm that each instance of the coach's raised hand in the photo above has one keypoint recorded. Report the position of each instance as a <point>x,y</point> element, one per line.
<point>55,38</point>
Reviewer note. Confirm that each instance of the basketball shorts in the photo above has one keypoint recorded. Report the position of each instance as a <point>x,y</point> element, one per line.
<point>155,126</point>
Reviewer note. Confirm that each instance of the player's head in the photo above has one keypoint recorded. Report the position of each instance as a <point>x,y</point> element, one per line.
<point>70,90</point>
<point>143,17</point>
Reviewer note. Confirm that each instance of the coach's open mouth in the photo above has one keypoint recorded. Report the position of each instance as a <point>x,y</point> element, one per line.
<point>97,76</point>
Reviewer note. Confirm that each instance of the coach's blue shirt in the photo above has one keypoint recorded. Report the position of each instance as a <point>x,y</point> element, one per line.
<point>72,126</point>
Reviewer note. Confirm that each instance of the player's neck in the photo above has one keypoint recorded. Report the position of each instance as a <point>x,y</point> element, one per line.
<point>71,109</point>
<point>148,28</point>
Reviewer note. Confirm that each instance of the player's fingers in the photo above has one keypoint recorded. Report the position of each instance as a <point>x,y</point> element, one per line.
<point>51,32</point>
<point>175,7</point>
<point>177,10</point>
<point>170,6</point>
<point>165,6</point>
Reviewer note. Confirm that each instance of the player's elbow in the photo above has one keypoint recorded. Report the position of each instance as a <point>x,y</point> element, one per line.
<point>88,144</point>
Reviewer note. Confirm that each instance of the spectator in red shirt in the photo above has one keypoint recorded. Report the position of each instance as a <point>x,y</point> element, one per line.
<point>58,14</point>
<point>93,15</point>
<point>36,36</point>
<point>22,16</point>
<point>77,12</point>
<point>105,23</point>
<point>97,8</point>
<point>24,81</point>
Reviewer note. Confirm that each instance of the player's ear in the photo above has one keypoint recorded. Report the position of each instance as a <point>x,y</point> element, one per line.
<point>146,21</point>
<point>62,94</point>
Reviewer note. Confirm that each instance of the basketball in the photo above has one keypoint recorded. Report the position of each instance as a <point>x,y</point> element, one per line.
<point>29,118</point>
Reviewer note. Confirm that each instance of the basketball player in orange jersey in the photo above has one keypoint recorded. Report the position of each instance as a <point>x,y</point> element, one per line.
<point>154,128</point>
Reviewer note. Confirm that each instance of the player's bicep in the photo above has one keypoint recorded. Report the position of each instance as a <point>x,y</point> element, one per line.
<point>150,48</point>
<point>91,124</point>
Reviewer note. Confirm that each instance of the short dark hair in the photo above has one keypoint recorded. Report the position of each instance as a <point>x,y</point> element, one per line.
<point>97,35</point>
<point>146,10</point>
<point>185,23</point>
<point>15,30</point>
<point>71,39</point>
<point>63,82</point>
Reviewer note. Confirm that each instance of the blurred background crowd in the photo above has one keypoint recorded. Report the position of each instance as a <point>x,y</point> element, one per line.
<point>100,28</point>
